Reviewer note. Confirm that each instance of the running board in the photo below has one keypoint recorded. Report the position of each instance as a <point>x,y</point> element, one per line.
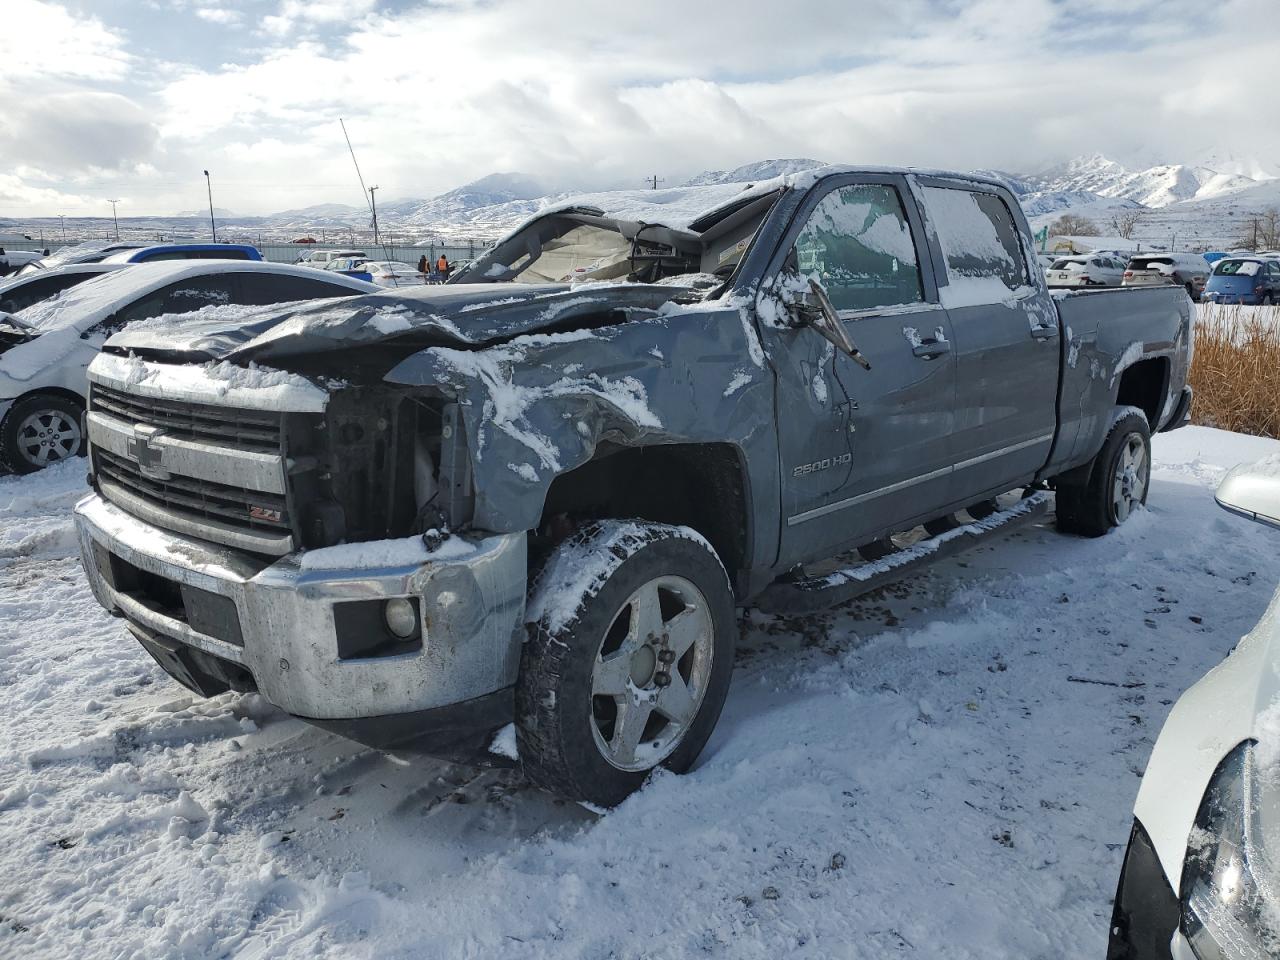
<point>810,594</point>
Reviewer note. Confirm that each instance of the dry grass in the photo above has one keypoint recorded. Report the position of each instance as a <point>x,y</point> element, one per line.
<point>1236,369</point>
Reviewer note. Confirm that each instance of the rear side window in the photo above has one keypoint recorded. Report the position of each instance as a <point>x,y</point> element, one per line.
<point>980,242</point>
<point>857,244</point>
<point>259,289</point>
<point>42,288</point>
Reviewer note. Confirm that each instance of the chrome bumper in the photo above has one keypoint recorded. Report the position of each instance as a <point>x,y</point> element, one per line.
<point>472,616</point>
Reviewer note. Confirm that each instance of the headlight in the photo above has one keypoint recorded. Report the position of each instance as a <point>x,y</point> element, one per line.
<point>1230,900</point>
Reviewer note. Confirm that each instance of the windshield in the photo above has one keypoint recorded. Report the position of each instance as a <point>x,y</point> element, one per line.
<point>1237,268</point>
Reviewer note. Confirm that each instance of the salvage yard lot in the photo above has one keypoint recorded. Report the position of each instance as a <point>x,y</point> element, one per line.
<point>947,769</point>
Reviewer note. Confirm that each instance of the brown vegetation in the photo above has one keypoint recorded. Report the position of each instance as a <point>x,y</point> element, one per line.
<point>1236,369</point>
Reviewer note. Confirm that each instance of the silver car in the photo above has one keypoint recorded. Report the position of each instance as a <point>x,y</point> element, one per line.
<point>1189,270</point>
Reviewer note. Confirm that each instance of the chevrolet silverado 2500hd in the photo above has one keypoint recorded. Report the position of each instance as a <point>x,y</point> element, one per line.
<point>536,494</point>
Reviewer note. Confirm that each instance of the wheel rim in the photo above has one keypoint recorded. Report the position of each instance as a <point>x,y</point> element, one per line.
<point>47,436</point>
<point>651,673</point>
<point>1130,486</point>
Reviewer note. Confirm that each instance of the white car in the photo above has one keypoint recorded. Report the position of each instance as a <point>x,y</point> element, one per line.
<point>1201,878</point>
<point>393,273</point>
<point>90,251</point>
<point>45,348</point>
<point>14,260</point>
<point>1086,270</point>
<point>321,258</point>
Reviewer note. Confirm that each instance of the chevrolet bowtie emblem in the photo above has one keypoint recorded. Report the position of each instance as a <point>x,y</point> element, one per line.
<point>143,450</point>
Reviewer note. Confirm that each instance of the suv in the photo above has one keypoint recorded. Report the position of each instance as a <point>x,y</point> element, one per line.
<point>1187,270</point>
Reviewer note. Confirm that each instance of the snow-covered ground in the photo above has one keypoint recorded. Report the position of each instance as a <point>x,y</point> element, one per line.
<point>944,770</point>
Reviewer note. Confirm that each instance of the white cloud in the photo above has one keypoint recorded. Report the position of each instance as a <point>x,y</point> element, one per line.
<point>223,16</point>
<point>586,94</point>
<point>45,38</point>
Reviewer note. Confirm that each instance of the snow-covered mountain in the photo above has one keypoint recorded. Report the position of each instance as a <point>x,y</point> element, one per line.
<point>752,172</point>
<point>497,189</point>
<point>1156,186</point>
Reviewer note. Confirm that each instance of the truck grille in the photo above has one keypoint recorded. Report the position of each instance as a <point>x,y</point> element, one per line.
<point>215,473</point>
<point>248,429</point>
<point>250,509</point>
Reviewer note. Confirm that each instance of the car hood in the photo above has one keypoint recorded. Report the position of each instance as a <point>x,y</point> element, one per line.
<point>462,315</point>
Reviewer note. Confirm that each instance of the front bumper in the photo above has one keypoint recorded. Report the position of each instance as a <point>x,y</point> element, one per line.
<point>471,606</point>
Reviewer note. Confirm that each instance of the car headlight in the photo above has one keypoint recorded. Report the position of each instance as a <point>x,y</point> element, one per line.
<point>1230,894</point>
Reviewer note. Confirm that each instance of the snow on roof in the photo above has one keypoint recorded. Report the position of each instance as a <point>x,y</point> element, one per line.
<point>92,301</point>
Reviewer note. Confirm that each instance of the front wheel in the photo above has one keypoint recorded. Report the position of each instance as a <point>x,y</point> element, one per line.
<point>627,661</point>
<point>41,429</point>
<point>1102,495</point>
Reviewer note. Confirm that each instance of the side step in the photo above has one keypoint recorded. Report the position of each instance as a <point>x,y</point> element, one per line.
<point>810,594</point>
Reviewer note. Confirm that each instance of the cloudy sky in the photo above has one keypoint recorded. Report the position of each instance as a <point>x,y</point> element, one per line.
<point>134,98</point>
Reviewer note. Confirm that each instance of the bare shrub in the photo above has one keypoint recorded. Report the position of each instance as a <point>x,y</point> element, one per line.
<point>1236,369</point>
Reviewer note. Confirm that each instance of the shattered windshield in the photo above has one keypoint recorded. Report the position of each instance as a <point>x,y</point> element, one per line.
<point>581,245</point>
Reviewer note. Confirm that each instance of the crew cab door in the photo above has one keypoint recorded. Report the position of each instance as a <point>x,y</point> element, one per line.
<point>1006,338</point>
<point>860,449</point>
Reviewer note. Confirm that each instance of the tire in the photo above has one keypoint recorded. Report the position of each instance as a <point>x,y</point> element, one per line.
<point>1101,496</point>
<point>1191,291</point>
<point>41,429</point>
<point>590,718</point>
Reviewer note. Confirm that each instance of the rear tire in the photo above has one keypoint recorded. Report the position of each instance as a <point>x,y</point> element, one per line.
<point>41,429</point>
<point>627,661</point>
<point>1095,499</point>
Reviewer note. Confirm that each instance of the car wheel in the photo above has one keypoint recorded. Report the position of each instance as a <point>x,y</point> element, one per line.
<point>1104,493</point>
<point>41,429</point>
<point>627,659</point>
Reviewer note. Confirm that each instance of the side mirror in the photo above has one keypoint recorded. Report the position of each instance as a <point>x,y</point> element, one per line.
<point>812,308</point>
<point>1253,490</point>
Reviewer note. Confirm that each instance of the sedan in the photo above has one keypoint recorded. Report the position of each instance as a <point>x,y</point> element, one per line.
<point>393,273</point>
<point>1201,878</point>
<point>18,293</point>
<point>45,348</point>
<point>1090,270</point>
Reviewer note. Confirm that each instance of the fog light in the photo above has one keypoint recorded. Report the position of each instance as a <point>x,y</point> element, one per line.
<point>401,617</point>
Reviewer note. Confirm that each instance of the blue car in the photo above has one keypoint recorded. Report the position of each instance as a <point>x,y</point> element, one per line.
<point>187,251</point>
<point>1249,280</point>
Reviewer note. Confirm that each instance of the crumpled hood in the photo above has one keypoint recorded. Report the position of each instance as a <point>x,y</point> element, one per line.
<point>459,315</point>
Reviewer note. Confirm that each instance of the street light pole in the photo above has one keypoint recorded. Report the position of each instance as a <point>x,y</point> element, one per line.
<point>63,220</point>
<point>213,227</point>
<point>114,221</point>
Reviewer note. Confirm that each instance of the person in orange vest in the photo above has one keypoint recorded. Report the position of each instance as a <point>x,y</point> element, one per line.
<point>443,268</point>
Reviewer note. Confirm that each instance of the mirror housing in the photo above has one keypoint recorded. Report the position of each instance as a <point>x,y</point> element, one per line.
<point>812,308</point>
<point>1252,490</point>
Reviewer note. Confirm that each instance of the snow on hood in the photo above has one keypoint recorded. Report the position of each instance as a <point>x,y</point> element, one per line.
<point>458,315</point>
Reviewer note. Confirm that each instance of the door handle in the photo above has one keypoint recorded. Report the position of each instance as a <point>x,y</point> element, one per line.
<point>928,349</point>
<point>1045,332</point>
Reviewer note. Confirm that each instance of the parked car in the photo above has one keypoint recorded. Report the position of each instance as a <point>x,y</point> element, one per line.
<point>45,348</point>
<point>350,267</point>
<point>1251,280</point>
<point>518,498</point>
<point>393,273</point>
<point>1187,270</point>
<point>1201,879</point>
<point>1088,270</point>
<point>13,260</point>
<point>318,258</point>
<point>18,293</point>
<point>90,251</point>
<point>187,251</point>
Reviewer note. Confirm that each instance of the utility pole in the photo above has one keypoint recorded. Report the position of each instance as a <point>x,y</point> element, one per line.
<point>113,217</point>
<point>654,181</point>
<point>213,227</point>
<point>373,206</point>
<point>63,220</point>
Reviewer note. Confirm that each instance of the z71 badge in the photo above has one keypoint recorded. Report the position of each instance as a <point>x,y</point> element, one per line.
<point>826,463</point>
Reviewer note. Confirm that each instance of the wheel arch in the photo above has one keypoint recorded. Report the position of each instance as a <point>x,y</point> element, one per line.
<point>1145,384</point>
<point>704,486</point>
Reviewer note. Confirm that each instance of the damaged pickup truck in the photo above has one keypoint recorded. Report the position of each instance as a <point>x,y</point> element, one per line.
<point>537,494</point>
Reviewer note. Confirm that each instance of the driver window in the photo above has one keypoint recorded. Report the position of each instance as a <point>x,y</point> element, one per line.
<point>857,244</point>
